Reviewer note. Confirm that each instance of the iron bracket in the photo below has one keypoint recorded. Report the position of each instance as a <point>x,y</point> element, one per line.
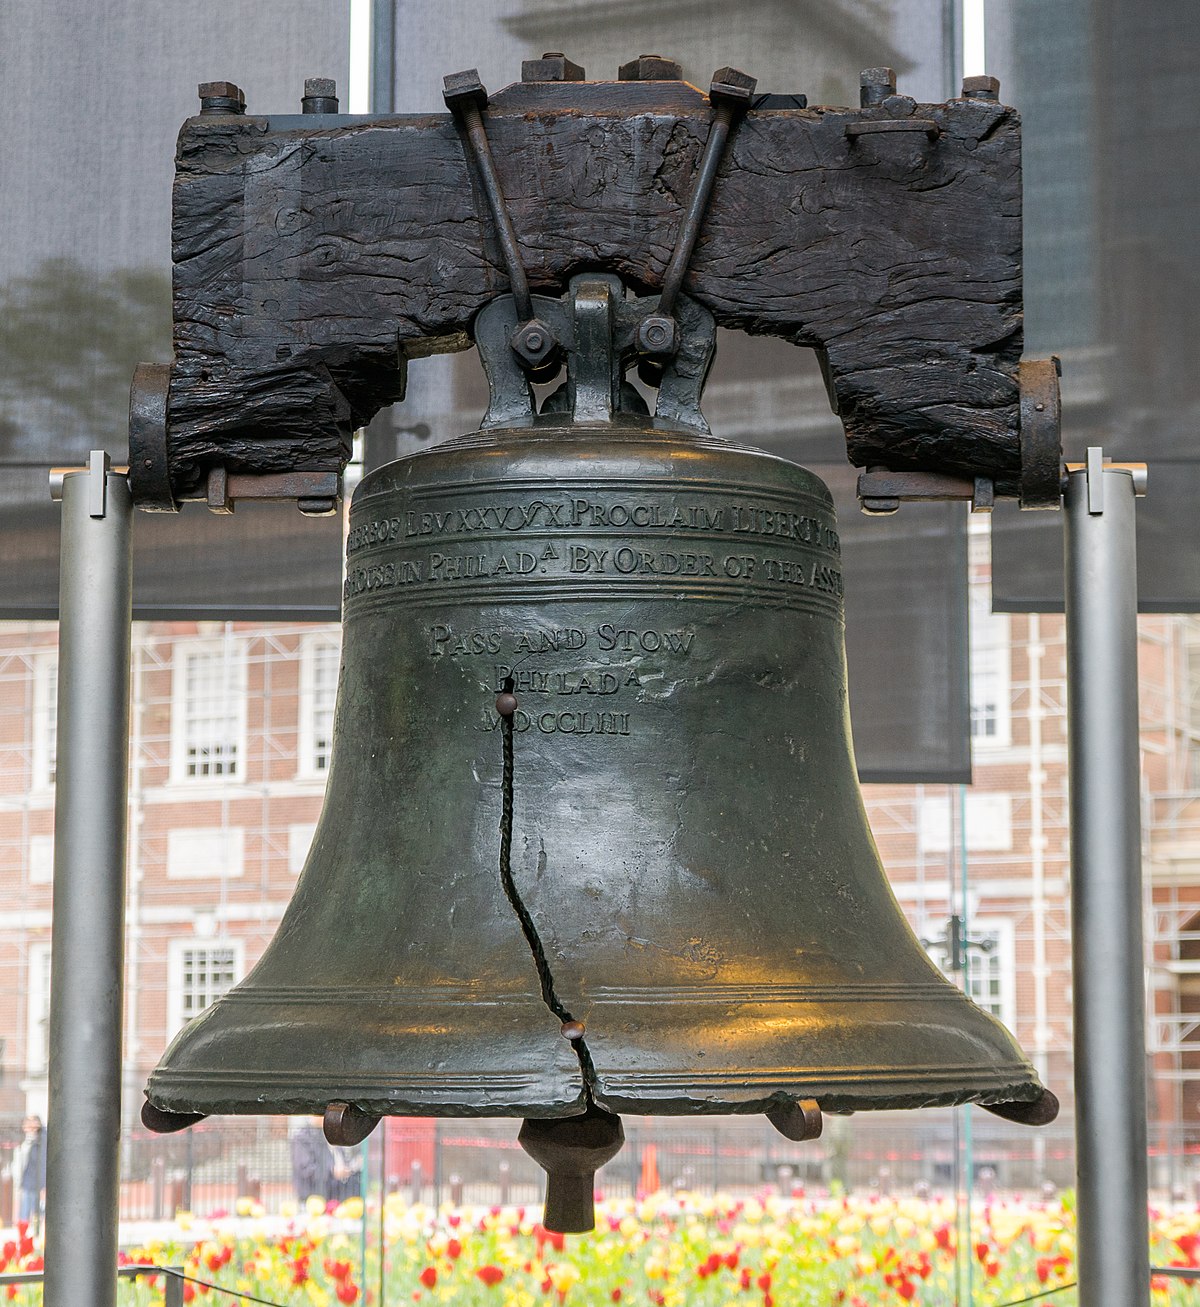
<point>882,491</point>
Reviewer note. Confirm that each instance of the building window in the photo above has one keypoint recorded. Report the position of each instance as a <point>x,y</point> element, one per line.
<point>991,971</point>
<point>205,852</point>
<point>208,712</point>
<point>989,823</point>
<point>41,859</point>
<point>320,657</point>
<point>200,972</point>
<point>45,720</point>
<point>300,838</point>
<point>37,1040</point>
<point>991,673</point>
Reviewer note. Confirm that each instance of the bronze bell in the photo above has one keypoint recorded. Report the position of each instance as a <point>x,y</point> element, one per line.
<point>593,841</point>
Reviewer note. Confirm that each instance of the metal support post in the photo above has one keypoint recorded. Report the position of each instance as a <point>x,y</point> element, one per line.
<point>1106,886</point>
<point>87,938</point>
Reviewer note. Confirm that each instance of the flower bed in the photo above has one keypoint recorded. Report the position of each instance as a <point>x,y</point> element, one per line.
<point>681,1251</point>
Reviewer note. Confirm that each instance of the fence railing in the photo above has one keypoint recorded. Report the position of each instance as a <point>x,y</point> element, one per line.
<point>218,1166</point>
<point>173,1279</point>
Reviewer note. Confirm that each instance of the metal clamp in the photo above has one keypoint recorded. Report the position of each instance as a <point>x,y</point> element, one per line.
<point>926,126</point>
<point>316,493</point>
<point>532,342</point>
<point>99,468</point>
<point>658,335</point>
<point>882,491</point>
<point>1095,467</point>
<point>1041,433</point>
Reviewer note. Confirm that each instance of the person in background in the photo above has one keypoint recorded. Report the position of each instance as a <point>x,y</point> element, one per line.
<point>312,1159</point>
<point>347,1174</point>
<point>32,1168</point>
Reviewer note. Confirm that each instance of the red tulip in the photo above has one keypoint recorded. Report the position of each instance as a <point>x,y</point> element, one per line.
<point>347,1291</point>
<point>428,1277</point>
<point>490,1275</point>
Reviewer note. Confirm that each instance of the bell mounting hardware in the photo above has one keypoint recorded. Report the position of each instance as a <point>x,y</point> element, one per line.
<point>592,841</point>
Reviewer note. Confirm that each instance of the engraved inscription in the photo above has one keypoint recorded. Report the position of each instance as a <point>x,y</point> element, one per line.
<point>569,722</point>
<point>547,516</point>
<point>588,680</point>
<point>709,543</point>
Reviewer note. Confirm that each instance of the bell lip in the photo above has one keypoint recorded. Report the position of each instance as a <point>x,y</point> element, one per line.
<point>900,1096</point>
<point>249,1102</point>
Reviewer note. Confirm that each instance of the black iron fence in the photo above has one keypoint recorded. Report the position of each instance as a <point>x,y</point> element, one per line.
<point>223,1165</point>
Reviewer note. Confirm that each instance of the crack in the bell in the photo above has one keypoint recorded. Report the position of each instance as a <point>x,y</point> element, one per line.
<point>528,927</point>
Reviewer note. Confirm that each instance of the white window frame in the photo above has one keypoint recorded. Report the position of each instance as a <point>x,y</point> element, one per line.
<point>177,950</point>
<point>1000,959</point>
<point>309,757</point>
<point>1003,955</point>
<point>300,838</point>
<point>37,1026</point>
<point>41,859</point>
<point>933,822</point>
<point>45,720</point>
<point>223,864</point>
<point>233,652</point>
<point>991,672</point>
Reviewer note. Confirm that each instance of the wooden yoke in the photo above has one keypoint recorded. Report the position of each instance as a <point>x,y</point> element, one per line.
<point>315,254</point>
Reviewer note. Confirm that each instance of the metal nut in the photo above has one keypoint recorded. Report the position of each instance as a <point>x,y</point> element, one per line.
<point>658,336</point>
<point>981,88</point>
<point>875,85</point>
<point>533,343</point>
<point>462,89</point>
<point>732,87</point>
<point>651,68</point>
<point>320,95</point>
<point>551,67</point>
<point>221,97</point>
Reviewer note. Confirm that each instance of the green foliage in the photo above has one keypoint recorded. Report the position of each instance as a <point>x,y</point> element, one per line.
<point>69,341</point>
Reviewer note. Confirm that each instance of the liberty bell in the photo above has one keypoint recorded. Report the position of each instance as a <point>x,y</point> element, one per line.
<point>593,841</point>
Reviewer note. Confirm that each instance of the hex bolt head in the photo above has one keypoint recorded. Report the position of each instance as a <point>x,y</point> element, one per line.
<point>981,88</point>
<point>650,68</point>
<point>320,95</point>
<point>221,97</point>
<point>553,66</point>
<point>875,85</point>
<point>657,336</point>
<point>732,87</point>
<point>533,343</point>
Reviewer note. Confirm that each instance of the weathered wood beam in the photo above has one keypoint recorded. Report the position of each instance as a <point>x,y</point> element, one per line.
<point>315,254</point>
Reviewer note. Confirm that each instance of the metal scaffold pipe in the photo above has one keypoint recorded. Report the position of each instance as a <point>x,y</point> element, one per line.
<point>87,938</point>
<point>1106,887</point>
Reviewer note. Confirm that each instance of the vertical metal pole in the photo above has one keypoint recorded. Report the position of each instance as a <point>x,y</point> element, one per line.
<point>87,938</point>
<point>1106,893</point>
<point>383,56</point>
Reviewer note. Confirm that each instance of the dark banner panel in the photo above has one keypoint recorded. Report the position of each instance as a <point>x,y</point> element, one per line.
<point>1112,189</point>
<point>1027,549</point>
<point>95,95</point>
<point>906,637</point>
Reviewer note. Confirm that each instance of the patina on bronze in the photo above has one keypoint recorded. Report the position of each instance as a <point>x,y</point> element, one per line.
<point>593,839</point>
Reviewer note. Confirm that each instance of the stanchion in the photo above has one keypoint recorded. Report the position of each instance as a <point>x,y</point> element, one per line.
<point>1106,885</point>
<point>87,938</point>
